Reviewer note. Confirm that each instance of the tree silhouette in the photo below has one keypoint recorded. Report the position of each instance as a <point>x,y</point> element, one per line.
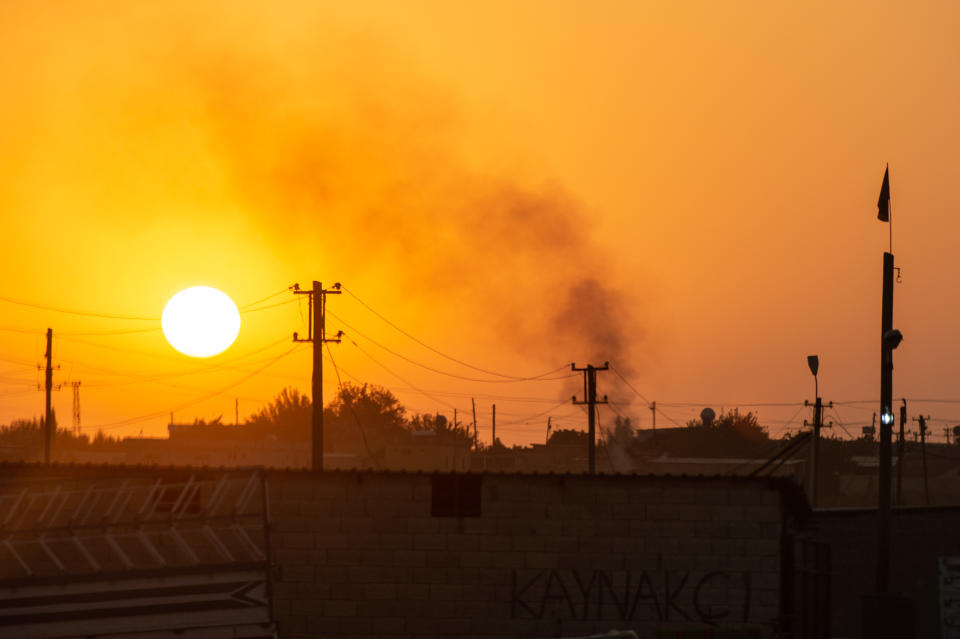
<point>286,417</point>
<point>364,419</point>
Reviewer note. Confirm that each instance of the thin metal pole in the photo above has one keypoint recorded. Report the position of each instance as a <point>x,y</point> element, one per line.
<point>49,428</point>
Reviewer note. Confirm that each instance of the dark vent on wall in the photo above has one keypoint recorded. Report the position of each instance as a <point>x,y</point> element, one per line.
<point>456,495</point>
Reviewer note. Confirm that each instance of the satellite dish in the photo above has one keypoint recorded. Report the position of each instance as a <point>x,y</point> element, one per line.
<point>707,416</point>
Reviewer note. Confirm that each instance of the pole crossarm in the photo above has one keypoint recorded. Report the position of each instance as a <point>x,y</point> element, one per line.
<point>590,393</point>
<point>317,335</point>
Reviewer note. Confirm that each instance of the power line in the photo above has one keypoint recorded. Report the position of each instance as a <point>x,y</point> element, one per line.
<point>840,422</point>
<point>629,385</point>
<point>363,434</point>
<point>378,363</point>
<point>268,306</point>
<point>268,297</point>
<point>203,398</point>
<point>541,378</point>
<point>536,416</point>
<point>440,353</point>
<point>168,357</point>
<point>736,404</point>
<point>69,311</point>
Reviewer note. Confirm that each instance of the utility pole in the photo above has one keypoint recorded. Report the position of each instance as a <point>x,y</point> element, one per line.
<point>923,454</point>
<point>473,405</point>
<point>494,423</point>
<point>813,474</point>
<point>900,445</point>
<point>49,428</point>
<point>317,335</point>
<point>653,409</point>
<point>590,391</point>
<point>76,407</point>
<point>889,340</point>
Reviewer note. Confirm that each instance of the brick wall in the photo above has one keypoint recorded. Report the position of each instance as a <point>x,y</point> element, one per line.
<point>918,536</point>
<point>364,553</point>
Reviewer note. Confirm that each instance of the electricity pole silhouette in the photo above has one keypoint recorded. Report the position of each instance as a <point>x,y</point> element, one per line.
<point>590,391</point>
<point>923,455</point>
<point>317,335</point>
<point>49,428</point>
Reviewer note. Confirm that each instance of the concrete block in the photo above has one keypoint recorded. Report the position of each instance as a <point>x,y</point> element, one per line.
<point>540,560</point>
<point>295,573</point>
<point>425,524</point>
<point>430,541</point>
<point>443,559</point>
<point>593,545</point>
<point>379,591</point>
<point>357,525</point>
<point>762,514</point>
<point>747,495</point>
<point>411,558</point>
<point>480,525</point>
<point>445,592</point>
<point>458,542</point>
<point>478,559</point>
<point>428,575</point>
<point>396,541</point>
<point>328,574</point>
<point>506,560</point>
<point>642,492</point>
<point>546,491</point>
<point>306,607</point>
<point>330,541</point>
<point>627,545</point>
<point>612,494</point>
<point>345,557</point>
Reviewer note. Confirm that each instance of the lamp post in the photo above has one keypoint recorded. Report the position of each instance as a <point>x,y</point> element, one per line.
<point>813,362</point>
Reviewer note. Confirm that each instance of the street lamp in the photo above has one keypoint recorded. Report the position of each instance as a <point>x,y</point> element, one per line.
<point>814,363</point>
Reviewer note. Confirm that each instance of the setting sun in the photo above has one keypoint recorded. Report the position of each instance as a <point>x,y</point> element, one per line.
<point>200,321</point>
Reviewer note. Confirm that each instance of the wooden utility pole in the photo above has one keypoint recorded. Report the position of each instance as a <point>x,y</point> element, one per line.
<point>653,409</point>
<point>590,391</point>
<point>473,404</point>
<point>76,407</point>
<point>494,422</point>
<point>49,428</point>
<point>317,335</point>
<point>923,455</point>
<point>813,475</point>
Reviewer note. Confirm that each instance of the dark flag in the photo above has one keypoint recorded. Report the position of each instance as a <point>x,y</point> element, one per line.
<point>883,204</point>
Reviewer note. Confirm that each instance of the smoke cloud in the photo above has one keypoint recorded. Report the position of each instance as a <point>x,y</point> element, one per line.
<point>335,148</point>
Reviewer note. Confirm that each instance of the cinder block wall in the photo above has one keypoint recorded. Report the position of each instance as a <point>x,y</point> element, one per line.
<point>918,538</point>
<point>365,553</point>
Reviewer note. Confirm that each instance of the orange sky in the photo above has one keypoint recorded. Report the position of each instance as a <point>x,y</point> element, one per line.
<point>685,189</point>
